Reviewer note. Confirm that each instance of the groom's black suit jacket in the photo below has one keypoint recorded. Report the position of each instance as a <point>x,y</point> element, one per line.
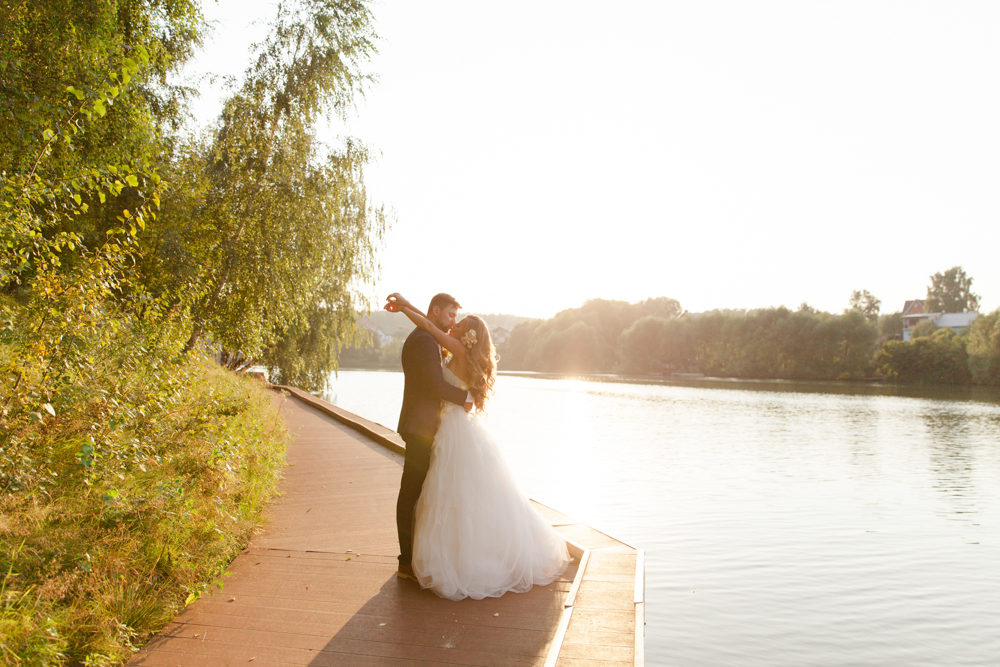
<point>424,386</point>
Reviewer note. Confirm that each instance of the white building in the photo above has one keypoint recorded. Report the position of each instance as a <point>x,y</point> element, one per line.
<point>499,335</point>
<point>913,314</point>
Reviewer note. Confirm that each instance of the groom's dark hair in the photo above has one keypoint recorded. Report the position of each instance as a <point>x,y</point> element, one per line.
<point>442,301</point>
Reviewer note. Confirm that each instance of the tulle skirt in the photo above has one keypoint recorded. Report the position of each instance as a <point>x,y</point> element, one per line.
<point>476,534</point>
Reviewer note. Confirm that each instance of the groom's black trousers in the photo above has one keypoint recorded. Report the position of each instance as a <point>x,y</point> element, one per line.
<point>418,459</point>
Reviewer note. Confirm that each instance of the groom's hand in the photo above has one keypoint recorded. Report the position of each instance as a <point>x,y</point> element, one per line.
<point>468,407</point>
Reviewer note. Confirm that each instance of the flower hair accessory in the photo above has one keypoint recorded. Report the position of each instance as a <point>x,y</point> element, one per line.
<point>469,338</point>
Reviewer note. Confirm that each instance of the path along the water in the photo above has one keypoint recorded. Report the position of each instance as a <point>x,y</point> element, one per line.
<point>319,586</point>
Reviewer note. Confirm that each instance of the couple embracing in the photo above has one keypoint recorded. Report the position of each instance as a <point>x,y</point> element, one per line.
<point>465,529</point>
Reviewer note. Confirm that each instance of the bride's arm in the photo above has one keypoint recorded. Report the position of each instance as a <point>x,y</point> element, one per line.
<point>453,345</point>
<point>398,304</point>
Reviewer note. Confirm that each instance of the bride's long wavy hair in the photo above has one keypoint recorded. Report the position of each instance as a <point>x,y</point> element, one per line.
<point>481,361</point>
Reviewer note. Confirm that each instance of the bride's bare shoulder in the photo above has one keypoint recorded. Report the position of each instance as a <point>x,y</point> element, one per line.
<point>457,368</point>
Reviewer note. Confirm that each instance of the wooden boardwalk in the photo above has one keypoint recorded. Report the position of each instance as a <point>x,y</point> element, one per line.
<point>318,587</point>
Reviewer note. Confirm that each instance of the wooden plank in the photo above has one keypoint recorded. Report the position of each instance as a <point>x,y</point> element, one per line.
<point>577,580</point>
<point>592,651</point>
<point>603,620</point>
<point>587,536</point>
<point>594,595</point>
<point>381,434</point>
<point>375,626</point>
<point>554,517</point>
<point>512,617</point>
<point>640,635</point>
<point>556,647</point>
<point>604,562</point>
<point>315,636</point>
<point>640,577</point>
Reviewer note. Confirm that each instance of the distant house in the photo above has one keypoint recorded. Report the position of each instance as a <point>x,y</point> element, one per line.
<point>377,334</point>
<point>499,335</point>
<point>914,314</point>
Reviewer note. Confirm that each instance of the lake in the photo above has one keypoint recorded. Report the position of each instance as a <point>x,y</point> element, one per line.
<point>784,523</point>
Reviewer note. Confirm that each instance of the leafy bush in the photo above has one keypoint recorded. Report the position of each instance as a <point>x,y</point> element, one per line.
<point>984,349</point>
<point>940,358</point>
<point>924,329</point>
<point>127,501</point>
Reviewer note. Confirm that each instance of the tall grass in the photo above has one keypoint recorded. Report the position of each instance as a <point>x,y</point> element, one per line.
<point>128,502</point>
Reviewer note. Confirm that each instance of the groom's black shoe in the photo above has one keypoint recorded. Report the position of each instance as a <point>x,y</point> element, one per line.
<point>406,572</point>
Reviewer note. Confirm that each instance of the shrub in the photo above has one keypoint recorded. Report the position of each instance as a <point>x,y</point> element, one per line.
<point>984,349</point>
<point>128,501</point>
<point>924,329</point>
<point>937,359</point>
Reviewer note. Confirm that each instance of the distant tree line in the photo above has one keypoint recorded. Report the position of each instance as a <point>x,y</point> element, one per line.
<point>657,337</point>
<point>613,336</point>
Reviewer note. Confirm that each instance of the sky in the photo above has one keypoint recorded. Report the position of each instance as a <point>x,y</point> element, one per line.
<point>725,154</point>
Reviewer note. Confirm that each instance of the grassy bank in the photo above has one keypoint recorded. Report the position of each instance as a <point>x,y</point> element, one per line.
<point>127,503</point>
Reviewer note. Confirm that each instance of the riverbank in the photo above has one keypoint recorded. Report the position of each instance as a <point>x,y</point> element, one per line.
<point>151,483</point>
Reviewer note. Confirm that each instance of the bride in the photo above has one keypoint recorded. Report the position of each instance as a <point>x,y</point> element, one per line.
<point>476,535</point>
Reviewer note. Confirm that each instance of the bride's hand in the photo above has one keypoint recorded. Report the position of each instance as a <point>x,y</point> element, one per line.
<point>395,302</point>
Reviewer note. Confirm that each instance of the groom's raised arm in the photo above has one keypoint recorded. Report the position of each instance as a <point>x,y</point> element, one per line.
<point>427,356</point>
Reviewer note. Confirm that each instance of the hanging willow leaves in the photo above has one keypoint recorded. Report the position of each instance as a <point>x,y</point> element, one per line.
<point>275,227</point>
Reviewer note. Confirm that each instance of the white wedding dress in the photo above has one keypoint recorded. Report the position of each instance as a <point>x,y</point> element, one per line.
<point>476,534</point>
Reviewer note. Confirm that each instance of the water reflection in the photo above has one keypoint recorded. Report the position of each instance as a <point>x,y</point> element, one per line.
<point>952,461</point>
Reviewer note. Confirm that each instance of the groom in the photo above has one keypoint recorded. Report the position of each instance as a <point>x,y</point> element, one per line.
<point>423,390</point>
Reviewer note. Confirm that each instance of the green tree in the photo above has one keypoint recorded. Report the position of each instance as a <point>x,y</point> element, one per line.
<point>534,345</point>
<point>984,349</point>
<point>577,348</point>
<point>518,345</point>
<point>951,292</point>
<point>83,106</point>
<point>62,61</point>
<point>642,345</point>
<point>654,344</point>
<point>890,326</point>
<point>662,306</point>
<point>276,231</point>
<point>865,303</point>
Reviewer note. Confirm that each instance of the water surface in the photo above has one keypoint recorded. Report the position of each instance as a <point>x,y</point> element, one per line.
<point>784,523</point>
